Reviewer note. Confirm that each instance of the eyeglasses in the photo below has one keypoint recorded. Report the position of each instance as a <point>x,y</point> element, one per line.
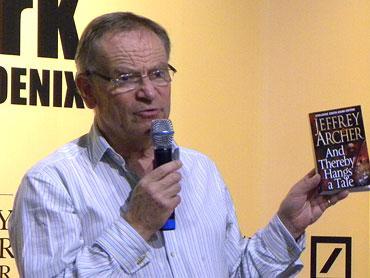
<point>132,80</point>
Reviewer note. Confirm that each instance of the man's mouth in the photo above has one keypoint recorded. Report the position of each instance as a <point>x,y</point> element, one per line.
<point>148,113</point>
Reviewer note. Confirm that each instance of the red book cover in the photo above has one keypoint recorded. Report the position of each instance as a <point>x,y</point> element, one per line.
<point>340,150</point>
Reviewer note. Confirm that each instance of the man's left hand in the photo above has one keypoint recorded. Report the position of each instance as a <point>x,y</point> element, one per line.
<point>303,205</point>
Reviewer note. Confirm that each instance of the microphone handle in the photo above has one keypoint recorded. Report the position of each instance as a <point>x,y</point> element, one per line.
<point>162,156</point>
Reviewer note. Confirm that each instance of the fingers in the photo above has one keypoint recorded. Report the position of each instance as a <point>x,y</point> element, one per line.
<point>163,177</point>
<point>172,190</point>
<point>162,185</point>
<point>170,179</point>
<point>154,198</point>
<point>167,187</point>
<point>162,190</point>
<point>174,202</point>
<point>333,199</point>
<point>163,170</point>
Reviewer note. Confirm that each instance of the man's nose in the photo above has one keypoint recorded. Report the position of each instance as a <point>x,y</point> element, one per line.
<point>147,89</point>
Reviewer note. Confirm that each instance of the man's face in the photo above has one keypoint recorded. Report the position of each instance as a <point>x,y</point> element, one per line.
<point>128,115</point>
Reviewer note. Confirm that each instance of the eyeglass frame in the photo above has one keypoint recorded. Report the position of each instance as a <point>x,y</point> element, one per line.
<point>115,81</point>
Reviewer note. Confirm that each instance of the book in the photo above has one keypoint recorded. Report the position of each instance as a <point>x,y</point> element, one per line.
<point>340,150</point>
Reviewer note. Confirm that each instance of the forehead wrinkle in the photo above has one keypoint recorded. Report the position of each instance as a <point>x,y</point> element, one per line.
<point>136,49</point>
<point>138,57</point>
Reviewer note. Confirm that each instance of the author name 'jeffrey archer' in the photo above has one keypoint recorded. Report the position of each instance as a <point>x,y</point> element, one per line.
<point>337,129</point>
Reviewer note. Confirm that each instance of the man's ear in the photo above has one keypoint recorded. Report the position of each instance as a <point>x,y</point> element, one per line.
<point>86,90</point>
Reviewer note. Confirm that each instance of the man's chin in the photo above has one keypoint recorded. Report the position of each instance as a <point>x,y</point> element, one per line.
<point>145,124</point>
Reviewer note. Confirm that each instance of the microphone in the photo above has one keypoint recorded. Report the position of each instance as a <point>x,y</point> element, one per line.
<point>162,137</point>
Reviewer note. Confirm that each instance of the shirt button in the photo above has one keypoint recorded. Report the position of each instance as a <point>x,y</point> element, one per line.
<point>140,259</point>
<point>173,254</point>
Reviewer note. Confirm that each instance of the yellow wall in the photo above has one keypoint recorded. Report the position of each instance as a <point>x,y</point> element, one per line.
<point>249,72</point>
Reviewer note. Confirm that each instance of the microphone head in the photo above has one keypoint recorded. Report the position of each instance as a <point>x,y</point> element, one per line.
<point>162,133</point>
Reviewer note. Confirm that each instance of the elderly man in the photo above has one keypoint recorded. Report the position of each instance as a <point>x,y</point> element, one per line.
<point>94,208</point>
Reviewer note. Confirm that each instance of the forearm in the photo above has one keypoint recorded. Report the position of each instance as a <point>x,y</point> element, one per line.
<point>118,251</point>
<point>49,239</point>
<point>271,252</point>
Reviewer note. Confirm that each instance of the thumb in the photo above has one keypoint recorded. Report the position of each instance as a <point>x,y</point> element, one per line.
<point>309,182</point>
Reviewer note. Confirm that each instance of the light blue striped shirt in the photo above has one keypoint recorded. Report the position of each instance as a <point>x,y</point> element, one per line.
<point>66,223</point>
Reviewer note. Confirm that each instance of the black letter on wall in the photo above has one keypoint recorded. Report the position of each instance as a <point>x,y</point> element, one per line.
<point>10,25</point>
<point>42,88</point>
<point>3,84</point>
<point>57,96</point>
<point>72,92</point>
<point>51,19</point>
<point>17,86</point>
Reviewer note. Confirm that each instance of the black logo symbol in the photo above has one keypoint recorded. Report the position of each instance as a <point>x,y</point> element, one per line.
<point>322,271</point>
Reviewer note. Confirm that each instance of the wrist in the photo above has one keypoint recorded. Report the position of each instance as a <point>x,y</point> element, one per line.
<point>295,232</point>
<point>143,231</point>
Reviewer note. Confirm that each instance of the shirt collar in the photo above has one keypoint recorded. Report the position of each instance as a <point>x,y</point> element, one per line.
<point>98,146</point>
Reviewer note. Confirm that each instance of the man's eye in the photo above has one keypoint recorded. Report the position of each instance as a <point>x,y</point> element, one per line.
<point>128,77</point>
<point>158,74</point>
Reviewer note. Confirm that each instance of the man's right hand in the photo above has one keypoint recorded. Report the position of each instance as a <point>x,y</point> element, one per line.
<point>154,199</point>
